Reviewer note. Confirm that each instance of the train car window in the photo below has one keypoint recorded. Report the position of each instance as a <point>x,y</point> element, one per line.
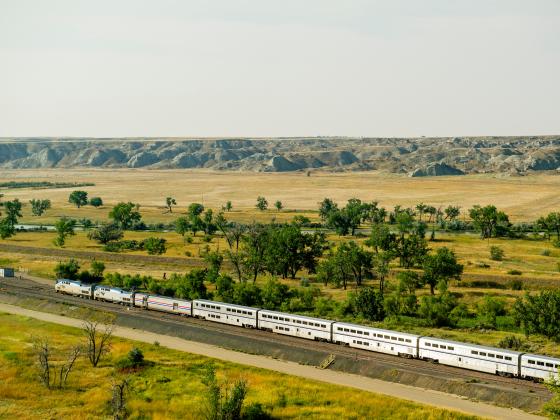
<point>499,356</point>
<point>491,355</point>
<point>435,345</point>
<point>482,354</point>
<point>353,331</point>
<point>540,363</point>
<point>275,317</point>
<point>324,326</point>
<point>408,340</point>
<point>549,365</point>
<point>386,336</point>
<point>394,338</point>
<point>366,333</point>
<point>428,345</point>
<point>250,313</point>
<point>474,352</point>
<point>508,358</point>
<point>360,332</point>
<point>557,366</point>
<point>443,347</point>
<point>401,339</point>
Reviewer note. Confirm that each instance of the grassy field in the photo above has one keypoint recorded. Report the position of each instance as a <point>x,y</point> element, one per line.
<point>171,387</point>
<point>524,198</point>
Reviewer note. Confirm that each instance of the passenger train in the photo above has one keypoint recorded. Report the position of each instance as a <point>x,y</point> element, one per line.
<point>452,353</point>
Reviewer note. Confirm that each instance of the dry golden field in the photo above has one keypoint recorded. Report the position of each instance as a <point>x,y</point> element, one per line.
<point>524,198</point>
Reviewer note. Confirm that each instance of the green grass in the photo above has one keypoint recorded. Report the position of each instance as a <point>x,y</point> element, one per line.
<point>171,387</point>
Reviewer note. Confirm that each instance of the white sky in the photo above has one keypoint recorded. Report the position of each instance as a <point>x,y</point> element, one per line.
<point>279,68</point>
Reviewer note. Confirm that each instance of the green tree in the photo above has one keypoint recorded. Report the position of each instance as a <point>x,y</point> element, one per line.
<point>68,270</point>
<point>278,205</point>
<point>155,246</point>
<point>169,203</point>
<point>247,294</point>
<point>274,294</point>
<point>550,224</point>
<point>38,207</point>
<point>452,212</point>
<point>262,203</point>
<point>356,259</point>
<point>78,198</point>
<point>490,221</point>
<point>368,303</point>
<point>409,281</point>
<point>326,207</point>
<point>96,202</point>
<point>228,206</point>
<point>255,246</point>
<point>105,233</point>
<point>222,402</point>
<point>195,209</point>
<point>436,310</point>
<point>182,226</point>
<point>539,314</point>
<point>208,224</point>
<point>441,267</point>
<point>290,250</point>
<point>13,211</point>
<point>191,285</point>
<point>64,228</point>
<point>489,309</point>
<point>380,238</point>
<point>97,269</point>
<point>126,215</point>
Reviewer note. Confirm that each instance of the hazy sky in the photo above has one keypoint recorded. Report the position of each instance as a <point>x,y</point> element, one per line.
<point>279,68</point>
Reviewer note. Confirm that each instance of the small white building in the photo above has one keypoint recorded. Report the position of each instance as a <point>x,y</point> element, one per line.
<point>7,272</point>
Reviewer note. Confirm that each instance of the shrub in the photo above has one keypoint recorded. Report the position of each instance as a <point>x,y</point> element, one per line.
<point>256,411</point>
<point>134,359</point>
<point>96,202</point>
<point>546,252</point>
<point>511,342</point>
<point>155,246</point>
<point>514,272</point>
<point>516,284</point>
<point>496,253</point>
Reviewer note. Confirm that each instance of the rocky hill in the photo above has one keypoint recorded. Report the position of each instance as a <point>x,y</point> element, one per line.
<point>414,156</point>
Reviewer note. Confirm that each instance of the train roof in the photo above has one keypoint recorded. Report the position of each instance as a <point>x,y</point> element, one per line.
<point>298,316</point>
<point>347,324</point>
<point>475,346</point>
<point>540,356</point>
<point>232,305</point>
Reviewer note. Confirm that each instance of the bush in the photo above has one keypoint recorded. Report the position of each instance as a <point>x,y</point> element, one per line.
<point>96,202</point>
<point>511,342</point>
<point>155,246</point>
<point>496,253</point>
<point>546,252</point>
<point>256,411</point>
<point>514,272</point>
<point>134,359</point>
<point>516,284</point>
<point>68,270</point>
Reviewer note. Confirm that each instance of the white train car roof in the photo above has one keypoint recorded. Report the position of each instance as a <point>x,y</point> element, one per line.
<point>230,305</point>
<point>379,330</point>
<point>472,346</point>
<point>541,357</point>
<point>77,282</point>
<point>302,317</point>
<point>113,289</point>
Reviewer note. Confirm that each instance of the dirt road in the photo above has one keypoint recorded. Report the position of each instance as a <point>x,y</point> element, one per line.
<point>418,395</point>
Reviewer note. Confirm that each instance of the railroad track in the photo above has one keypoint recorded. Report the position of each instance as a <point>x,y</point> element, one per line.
<point>31,289</point>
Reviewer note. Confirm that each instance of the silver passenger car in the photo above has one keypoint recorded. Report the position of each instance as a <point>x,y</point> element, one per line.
<point>470,356</point>
<point>537,367</point>
<point>225,313</point>
<point>163,304</point>
<point>295,325</point>
<point>375,339</point>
